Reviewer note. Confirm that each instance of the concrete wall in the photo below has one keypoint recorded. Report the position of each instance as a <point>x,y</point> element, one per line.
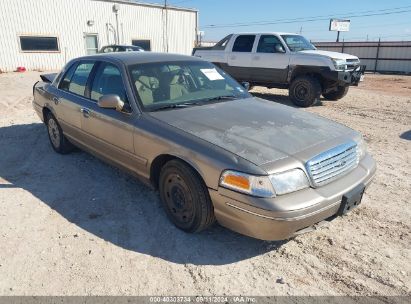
<point>67,19</point>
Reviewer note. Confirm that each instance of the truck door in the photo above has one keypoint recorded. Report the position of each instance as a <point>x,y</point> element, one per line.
<point>270,60</point>
<point>239,59</point>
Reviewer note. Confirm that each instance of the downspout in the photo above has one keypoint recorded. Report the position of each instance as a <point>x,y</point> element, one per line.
<point>196,34</point>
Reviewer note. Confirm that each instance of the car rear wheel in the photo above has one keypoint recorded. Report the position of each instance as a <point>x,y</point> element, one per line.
<point>305,91</point>
<point>58,141</point>
<point>185,197</point>
<point>339,93</point>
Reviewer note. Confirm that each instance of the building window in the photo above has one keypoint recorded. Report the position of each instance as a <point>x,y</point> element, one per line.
<point>91,44</point>
<point>39,44</point>
<point>145,44</point>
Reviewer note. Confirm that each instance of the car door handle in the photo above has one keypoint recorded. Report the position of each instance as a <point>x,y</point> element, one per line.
<point>233,57</point>
<point>86,112</point>
<point>256,57</point>
<point>56,100</point>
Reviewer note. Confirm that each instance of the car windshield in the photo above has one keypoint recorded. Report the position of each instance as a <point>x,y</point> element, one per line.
<point>171,85</point>
<point>297,43</point>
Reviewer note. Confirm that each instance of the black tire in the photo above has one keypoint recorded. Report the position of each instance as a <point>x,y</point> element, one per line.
<point>185,197</point>
<point>338,94</point>
<point>58,141</point>
<point>305,91</point>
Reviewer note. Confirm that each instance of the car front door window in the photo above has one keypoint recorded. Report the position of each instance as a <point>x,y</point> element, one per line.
<point>108,81</point>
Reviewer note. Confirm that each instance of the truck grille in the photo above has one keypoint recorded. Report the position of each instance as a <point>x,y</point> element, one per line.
<point>352,64</point>
<point>332,164</point>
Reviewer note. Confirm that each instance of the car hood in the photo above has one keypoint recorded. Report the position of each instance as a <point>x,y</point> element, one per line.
<point>329,54</point>
<point>257,130</point>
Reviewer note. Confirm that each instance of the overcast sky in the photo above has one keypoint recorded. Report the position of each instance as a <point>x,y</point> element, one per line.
<point>390,19</point>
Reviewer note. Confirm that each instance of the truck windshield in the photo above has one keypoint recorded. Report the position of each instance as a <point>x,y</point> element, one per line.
<point>297,43</point>
<point>173,85</point>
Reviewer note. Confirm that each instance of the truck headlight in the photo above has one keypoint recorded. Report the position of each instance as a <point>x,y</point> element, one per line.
<point>361,147</point>
<point>289,181</point>
<point>339,64</point>
<point>250,184</point>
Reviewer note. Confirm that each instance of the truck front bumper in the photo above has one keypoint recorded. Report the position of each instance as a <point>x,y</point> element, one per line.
<point>238,212</point>
<point>352,77</point>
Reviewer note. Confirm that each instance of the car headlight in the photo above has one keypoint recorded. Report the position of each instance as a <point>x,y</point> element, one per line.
<point>361,147</point>
<point>250,184</point>
<point>289,181</point>
<point>339,64</point>
<point>265,186</point>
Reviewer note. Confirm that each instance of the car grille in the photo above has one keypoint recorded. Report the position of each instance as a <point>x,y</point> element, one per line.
<point>330,165</point>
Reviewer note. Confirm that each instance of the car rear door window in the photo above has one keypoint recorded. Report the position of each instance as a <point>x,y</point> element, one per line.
<point>65,83</point>
<point>268,44</point>
<point>244,43</point>
<point>79,80</point>
<point>108,81</point>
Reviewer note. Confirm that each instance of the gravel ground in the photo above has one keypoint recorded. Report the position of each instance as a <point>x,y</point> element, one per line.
<point>72,225</point>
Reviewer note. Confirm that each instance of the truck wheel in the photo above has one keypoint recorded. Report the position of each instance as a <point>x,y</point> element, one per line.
<point>185,197</point>
<point>58,141</point>
<point>338,94</point>
<point>305,91</point>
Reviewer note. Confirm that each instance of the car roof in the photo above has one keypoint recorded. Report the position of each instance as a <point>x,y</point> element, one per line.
<point>131,58</point>
<point>123,45</point>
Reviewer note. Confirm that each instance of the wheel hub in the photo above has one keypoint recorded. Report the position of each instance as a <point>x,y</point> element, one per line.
<point>177,196</point>
<point>301,92</point>
<point>54,133</point>
<point>178,200</point>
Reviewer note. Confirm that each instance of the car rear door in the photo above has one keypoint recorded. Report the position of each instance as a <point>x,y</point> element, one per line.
<point>109,132</point>
<point>69,98</point>
<point>270,60</point>
<point>239,59</point>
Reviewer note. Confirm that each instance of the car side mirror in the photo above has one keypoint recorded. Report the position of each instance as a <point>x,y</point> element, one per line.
<point>246,85</point>
<point>279,48</point>
<point>111,102</point>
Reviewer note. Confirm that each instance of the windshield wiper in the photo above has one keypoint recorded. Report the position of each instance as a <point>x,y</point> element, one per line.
<point>223,97</point>
<point>174,106</point>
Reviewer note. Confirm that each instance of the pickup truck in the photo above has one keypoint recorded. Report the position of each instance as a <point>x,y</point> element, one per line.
<point>285,61</point>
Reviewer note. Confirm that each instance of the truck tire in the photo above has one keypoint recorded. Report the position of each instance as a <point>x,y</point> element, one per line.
<point>305,91</point>
<point>338,94</point>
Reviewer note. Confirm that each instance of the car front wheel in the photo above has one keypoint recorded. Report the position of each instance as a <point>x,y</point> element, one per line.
<point>58,141</point>
<point>185,197</point>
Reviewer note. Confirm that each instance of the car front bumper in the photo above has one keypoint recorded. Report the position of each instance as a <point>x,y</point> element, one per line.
<point>285,219</point>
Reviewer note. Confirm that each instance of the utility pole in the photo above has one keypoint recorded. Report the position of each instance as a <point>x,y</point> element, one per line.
<point>301,30</point>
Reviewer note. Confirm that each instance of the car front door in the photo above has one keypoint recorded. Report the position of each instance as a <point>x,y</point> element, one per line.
<point>110,132</point>
<point>239,59</point>
<point>270,60</point>
<point>70,98</point>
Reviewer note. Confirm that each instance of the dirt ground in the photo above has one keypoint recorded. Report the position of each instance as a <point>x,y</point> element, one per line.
<point>72,225</point>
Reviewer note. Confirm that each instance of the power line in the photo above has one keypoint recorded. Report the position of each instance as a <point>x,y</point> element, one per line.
<point>315,18</point>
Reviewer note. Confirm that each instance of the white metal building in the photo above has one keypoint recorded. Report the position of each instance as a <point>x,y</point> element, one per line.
<point>45,34</point>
